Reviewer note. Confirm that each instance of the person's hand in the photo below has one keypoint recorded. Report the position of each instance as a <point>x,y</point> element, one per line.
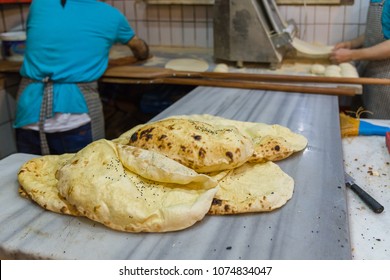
<point>343,45</point>
<point>340,55</point>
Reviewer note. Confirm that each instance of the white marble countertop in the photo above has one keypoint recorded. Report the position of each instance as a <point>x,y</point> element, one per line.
<point>341,232</point>
<point>367,159</point>
<point>312,225</point>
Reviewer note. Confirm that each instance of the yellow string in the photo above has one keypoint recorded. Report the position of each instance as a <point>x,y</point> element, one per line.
<point>359,111</point>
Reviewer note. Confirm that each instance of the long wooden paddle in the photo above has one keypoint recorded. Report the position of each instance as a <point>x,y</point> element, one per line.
<point>140,72</point>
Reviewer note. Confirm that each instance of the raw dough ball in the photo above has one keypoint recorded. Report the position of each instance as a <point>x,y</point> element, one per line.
<point>352,73</point>
<point>333,71</point>
<point>333,68</point>
<point>346,66</point>
<point>332,74</point>
<point>187,64</point>
<point>221,67</point>
<point>348,70</point>
<point>318,69</point>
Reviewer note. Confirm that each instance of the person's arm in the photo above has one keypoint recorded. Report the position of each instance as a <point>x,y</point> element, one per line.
<point>139,48</point>
<point>351,44</point>
<point>377,52</point>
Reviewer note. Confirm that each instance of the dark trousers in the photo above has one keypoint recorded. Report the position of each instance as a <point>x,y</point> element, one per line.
<point>71,141</point>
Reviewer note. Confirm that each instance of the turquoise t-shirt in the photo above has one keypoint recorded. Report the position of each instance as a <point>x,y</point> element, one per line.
<point>70,45</point>
<point>385,17</point>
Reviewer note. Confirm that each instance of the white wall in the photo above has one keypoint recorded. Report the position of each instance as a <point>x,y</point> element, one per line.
<point>192,26</point>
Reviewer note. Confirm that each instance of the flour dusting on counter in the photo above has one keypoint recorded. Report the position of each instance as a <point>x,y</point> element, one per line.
<point>367,160</point>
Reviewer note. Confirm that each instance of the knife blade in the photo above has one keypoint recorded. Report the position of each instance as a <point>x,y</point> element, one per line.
<point>367,199</point>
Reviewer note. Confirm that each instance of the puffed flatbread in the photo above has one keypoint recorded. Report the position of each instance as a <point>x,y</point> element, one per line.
<point>167,175</point>
<point>99,185</point>
<point>38,182</point>
<point>252,187</point>
<point>201,146</point>
<point>154,166</point>
<point>271,142</point>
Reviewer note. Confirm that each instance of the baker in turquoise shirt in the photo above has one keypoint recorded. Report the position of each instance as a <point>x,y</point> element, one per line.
<point>372,52</point>
<point>67,50</point>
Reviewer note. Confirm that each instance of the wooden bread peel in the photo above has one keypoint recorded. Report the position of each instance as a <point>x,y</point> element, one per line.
<point>288,83</point>
<point>140,72</point>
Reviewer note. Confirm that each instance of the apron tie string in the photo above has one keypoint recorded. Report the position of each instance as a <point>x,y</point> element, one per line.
<point>46,112</point>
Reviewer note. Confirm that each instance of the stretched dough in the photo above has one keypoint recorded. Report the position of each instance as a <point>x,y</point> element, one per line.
<point>311,50</point>
<point>187,64</point>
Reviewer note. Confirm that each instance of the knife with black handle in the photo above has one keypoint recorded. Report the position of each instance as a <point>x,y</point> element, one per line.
<point>368,199</point>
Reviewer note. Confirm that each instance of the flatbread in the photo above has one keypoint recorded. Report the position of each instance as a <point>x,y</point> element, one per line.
<point>201,146</point>
<point>187,64</point>
<point>167,175</point>
<point>270,142</point>
<point>154,166</point>
<point>252,187</point>
<point>97,183</point>
<point>38,182</point>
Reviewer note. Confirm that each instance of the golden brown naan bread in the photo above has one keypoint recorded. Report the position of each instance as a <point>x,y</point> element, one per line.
<point>270,148</point>
<point>167,175</point>
<point>99,185</point>
<point>200,146</point>
<point>37,181</point>
<point>252,187</point>
<point>154,166</point>
<point>270,142</point>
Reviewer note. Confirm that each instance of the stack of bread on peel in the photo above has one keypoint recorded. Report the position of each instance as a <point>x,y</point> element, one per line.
<point>167,175</point>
